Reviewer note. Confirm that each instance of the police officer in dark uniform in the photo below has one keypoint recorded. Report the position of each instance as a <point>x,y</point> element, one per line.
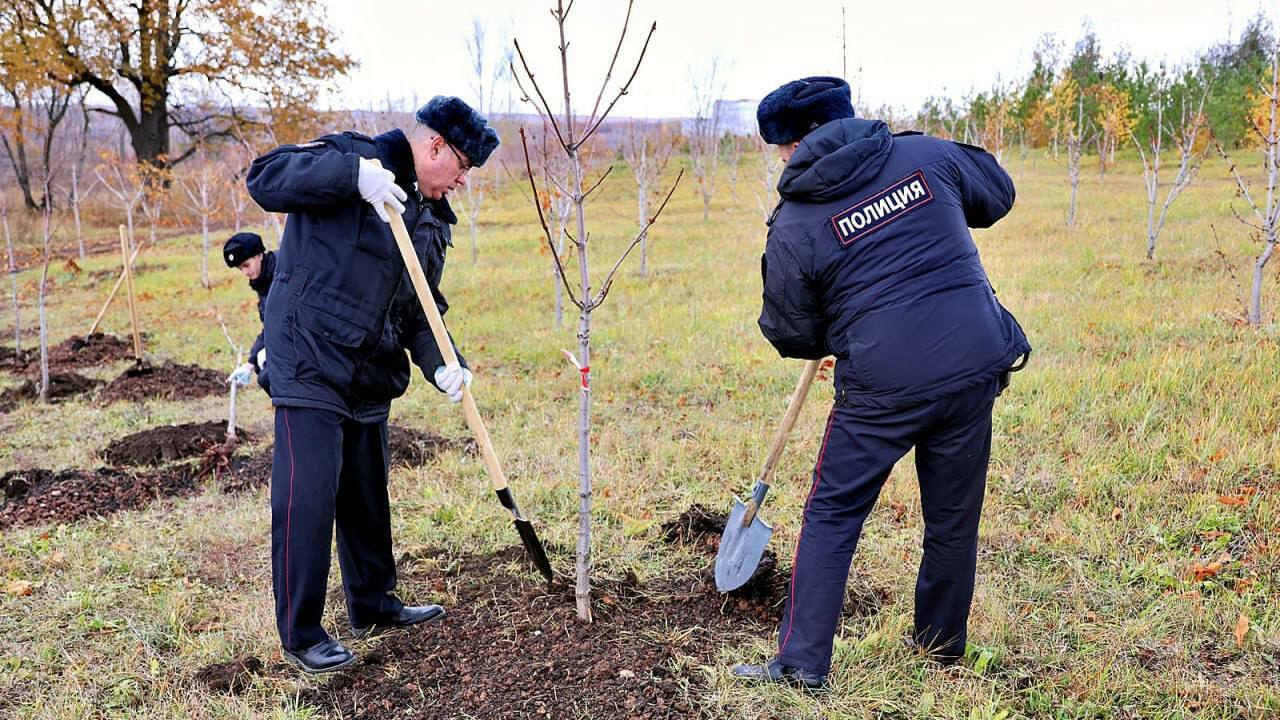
<point>340,315</point>
<point>245,252</point>
<point>869,258</point>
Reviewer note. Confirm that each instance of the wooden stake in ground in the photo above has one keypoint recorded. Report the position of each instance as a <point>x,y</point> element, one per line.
<point>128,283</point>
<point>112,296</point>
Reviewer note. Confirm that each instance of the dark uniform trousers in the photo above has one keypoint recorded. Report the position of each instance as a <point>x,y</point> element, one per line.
<point>952,438</point>
<point>328,468</point>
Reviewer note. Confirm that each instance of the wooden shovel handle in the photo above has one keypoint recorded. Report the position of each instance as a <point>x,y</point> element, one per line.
<point>441,335</point>
<point>789,420</point>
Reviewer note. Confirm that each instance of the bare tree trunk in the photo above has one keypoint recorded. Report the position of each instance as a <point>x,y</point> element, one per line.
<point>13,280</point>
<point>204,252</point>
<point>44,284</point>
<point>75,206</point>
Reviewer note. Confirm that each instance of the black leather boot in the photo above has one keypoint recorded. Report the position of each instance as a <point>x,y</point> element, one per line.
<point>408,615</point>
<point>776,672</point>
<point>325,656</point>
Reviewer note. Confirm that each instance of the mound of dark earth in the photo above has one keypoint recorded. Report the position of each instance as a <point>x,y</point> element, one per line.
<point>232,677</point>
<point>242,473</point>
<point>168,443</point>
<point>169,381</point>
<point>62,386</point>
<point>81,352</point>
<point>764,595</point>
<point>12,360</point>
<point>38,496</point>
<point>415,447</point>
<point>512,647</point>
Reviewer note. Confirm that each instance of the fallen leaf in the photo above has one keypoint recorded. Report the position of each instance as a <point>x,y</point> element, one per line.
<point>1243,585</point>
<point>1233,500</point>
<point>18,588</point>
<point>1242,629</point>
<point>1204,572</point>
<point>899,511</point>
<point>1248,490</point>
<point>1218,455</point>
<point>1116,513</point>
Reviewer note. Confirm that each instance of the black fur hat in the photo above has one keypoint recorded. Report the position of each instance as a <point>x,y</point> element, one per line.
<point>464,128</point>
<point>241,247</point>
<point>793,110</point>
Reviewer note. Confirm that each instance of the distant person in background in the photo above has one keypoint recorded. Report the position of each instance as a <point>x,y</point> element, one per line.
<point>869,258</point>
<point>244,251</point>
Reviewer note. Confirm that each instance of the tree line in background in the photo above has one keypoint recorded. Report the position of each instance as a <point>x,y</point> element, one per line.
<point>155,109</point>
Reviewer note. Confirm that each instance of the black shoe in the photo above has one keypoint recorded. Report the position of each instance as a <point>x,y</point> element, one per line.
<point>325,656</point>
<point>408,615</point>
<point>776,672</point>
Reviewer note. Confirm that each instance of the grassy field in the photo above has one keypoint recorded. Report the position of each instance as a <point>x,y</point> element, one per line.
<point>1141,442</point>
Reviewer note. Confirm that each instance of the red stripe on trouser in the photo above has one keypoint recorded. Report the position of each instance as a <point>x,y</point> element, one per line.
<point>288,517</point>
<point>817,472</point>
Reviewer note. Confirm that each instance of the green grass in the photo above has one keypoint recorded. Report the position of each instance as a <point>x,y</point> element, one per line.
<point>1145,401</point>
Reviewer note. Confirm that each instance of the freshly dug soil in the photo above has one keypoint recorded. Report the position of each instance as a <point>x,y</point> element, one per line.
<point>170,381</point>
<point>764,595</point>
<point>12,360</point>
<point>407,446</point>
<point>511,647</point>
<point>414,447</point>
<point>246,473</point>
<point>62,386</point>
<point>79,352</point>
<point>168,443</point>
<point>35,496</point>
<point>232,677</point>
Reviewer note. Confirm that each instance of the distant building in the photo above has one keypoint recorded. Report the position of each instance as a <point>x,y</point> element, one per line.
<point>737,117</point>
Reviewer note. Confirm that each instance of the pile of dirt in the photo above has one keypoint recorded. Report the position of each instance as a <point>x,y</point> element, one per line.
<point>232,677</point>
<point>512,648</point>
<point>37,495</point>
<point>698,526</point>
<point>62,386</point>
<point>81,352</point>
<point>12,360</point>
<point>764,594</point>
<point>170,381</point>
<point>167,443</point>
<point>414,447</point>
<point>243,474</point>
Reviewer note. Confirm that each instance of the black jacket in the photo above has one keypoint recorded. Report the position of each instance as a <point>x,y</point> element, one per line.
<point>869,258</point>
<point>262,285</point>
<point>337,323</point>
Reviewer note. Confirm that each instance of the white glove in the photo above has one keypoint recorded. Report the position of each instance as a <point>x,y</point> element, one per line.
<point>451,378</point>
<point>377,185</point>
<point>262,358</point>
<point>241,375</point>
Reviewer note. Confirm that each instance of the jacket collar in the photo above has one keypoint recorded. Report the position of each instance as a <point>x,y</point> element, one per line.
<point>835,160</point>
<point>396,155</point>
<point>262,283</point>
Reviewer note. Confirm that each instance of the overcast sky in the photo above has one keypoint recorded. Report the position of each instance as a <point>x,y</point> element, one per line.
<point>902,51</point>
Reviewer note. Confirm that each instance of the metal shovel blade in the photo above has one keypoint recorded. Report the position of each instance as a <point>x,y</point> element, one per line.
<point>740,548</point>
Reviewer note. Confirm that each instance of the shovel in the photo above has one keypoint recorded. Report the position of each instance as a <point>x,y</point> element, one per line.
<point>745,534</point>
<point>530,539</point>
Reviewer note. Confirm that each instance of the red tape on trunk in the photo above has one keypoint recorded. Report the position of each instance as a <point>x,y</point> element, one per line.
<point>586,377</point>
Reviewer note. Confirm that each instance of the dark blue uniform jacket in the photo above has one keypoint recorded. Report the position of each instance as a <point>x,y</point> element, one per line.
<point>870,259</point>
<point>262,285</point>
<point>342,310</point>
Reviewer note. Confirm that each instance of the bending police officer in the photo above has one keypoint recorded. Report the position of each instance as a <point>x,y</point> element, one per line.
<point>869,258</point>
<point>245,252</point>
<point>338,325</point>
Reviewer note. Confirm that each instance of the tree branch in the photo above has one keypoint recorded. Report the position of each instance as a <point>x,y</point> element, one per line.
<point>597,184</point>
<point>621,91</point>
<point>608,280</point>
<point>550,115</point>
<point>546,230</point>
<point>604,84</point>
